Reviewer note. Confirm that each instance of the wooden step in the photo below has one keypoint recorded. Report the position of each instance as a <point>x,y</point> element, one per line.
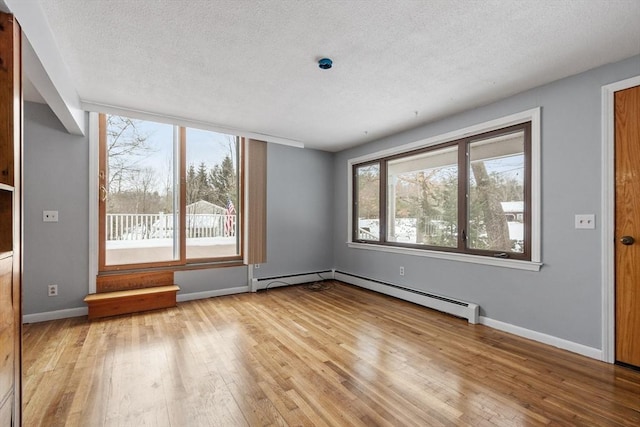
<point>131,301</point>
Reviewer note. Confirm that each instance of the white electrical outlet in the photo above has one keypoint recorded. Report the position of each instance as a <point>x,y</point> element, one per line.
<point>585,221</point>
<point>49,216</point>
<point>52,290</point>
<point>402,271</point>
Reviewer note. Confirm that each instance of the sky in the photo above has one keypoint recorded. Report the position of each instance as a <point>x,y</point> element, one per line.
<point>202,146</point>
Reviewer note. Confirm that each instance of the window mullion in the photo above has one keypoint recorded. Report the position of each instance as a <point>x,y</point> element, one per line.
<point>383,201</point>
<point>180,185</point>
<point>463,194</point>
<point>103,189</point>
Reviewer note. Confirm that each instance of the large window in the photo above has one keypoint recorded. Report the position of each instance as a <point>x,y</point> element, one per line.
<point>169,195</point>
<point>471,195</point>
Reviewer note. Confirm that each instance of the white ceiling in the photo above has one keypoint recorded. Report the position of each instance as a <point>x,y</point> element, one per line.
<point>252,65</point>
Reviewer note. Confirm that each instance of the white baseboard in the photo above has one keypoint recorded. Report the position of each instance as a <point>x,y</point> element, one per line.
<point>275,282</point>
<point>209,294</point>
<point>584,350</point>
<point>55,315</point>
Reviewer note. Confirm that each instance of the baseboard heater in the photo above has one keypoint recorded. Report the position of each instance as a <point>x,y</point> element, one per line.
<point>290,279</point>
<point>466,310</point>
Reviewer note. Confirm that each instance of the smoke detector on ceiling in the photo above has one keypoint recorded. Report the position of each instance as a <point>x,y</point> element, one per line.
<point>325,63</point>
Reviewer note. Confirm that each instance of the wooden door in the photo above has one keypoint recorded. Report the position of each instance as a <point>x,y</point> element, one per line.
<point>627,232</point>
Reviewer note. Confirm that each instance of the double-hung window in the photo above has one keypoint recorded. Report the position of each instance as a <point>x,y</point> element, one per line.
<point>470,195</point>
<point>169,195</point>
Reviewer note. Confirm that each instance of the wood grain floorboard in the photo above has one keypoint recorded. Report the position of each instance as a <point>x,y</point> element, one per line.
<point>289,356</point>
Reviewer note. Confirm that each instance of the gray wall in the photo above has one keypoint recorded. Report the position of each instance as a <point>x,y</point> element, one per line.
<point>307,217</point>
<point>563,299</point>
<point>55,178</point>
<point>299,220</point>
<point>299,211</point>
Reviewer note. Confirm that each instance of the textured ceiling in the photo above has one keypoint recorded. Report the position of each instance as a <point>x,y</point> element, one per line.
<point>252,65</point>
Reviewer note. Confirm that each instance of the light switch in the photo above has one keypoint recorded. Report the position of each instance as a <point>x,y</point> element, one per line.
<point>50,216</point>
<point>585,221</point>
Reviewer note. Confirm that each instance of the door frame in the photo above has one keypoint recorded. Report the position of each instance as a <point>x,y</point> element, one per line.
<point>608,215</point>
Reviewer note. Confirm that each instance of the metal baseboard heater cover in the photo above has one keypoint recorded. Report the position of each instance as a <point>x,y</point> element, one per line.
<point>466,310</point>
<point>290,279</point>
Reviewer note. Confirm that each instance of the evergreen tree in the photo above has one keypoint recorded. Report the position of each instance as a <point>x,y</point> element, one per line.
<point>202,183</point>
<point>222,179</point>
<point>192,189</point>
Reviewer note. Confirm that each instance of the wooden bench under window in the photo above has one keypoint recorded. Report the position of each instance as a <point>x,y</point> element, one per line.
<point>132,293</point>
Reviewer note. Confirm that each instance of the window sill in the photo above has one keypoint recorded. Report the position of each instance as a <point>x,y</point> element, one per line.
<point>452,256</point>
<point>174,268</point>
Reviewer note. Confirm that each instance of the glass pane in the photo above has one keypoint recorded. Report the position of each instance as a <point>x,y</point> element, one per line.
<point>368,202</point>
<point>423,198</point>
<point>212,195</point>
<point>140,218</point>
<point>496,193</point>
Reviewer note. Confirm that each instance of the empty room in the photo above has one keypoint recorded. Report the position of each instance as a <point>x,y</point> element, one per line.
<point>319,213</point>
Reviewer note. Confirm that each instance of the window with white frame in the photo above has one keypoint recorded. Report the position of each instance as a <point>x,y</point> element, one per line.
<point>474,193</point>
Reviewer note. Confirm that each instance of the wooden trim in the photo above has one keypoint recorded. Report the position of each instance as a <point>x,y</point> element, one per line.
<point>257,203</point>
<point>102,189</point>
<point>235,262</point>
<point>10,92</point>
<point>242,179</point>
<point>182,179</point>
<point>182,262</point>
<point>6,220</point>
<point>138,280</point>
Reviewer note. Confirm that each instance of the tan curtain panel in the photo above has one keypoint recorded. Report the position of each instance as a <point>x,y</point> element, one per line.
<point>256,175</point>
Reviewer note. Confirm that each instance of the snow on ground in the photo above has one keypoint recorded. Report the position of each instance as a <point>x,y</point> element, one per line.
<point>160,243</point>
<point>405,229</point>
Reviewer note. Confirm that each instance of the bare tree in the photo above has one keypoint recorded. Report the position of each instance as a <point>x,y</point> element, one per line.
<point>144,181</point>
<point>126,146</point>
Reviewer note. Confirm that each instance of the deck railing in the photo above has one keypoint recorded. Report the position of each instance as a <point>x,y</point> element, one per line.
<point>160,226</point>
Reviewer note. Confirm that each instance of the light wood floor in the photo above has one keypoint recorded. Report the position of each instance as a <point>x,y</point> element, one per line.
<point>289,356</point>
